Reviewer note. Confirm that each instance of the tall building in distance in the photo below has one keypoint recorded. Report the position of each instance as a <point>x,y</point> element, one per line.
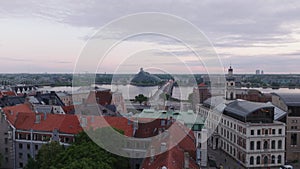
<point>257,72</point>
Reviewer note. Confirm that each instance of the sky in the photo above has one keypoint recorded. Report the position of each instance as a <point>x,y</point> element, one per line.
<point>51,36</point>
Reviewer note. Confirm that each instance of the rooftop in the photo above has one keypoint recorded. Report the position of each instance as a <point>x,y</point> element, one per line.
<point>244,108</point>
<point>290,99</point>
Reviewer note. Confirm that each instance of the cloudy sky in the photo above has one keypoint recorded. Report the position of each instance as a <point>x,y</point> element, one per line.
<point>49,36</point>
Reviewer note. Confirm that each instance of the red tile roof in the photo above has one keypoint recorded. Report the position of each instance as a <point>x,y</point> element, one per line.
<point>68,109</point>
<point>202,85</point>
<point>8,93</point>
<point>12,111</point>
<point>174,157</point>
<point>64,123</point>
<point>120,123</point>
<point>23,118</point>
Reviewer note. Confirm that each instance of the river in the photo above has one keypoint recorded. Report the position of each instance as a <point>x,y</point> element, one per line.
<point>129,91</point>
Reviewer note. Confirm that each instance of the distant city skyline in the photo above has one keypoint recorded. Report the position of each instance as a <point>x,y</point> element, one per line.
<point>39,37</point>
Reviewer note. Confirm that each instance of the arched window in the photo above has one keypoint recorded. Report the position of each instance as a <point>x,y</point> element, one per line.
<point>266,145</point>
<point>258,160</point>
<point>273,159</point>
<point>266,160</point>
<point>279,159</point>
<point>279,144</point>
<point>251,160</point>
<point>273,144</point>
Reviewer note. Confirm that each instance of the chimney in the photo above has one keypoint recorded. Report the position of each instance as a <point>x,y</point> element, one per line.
<point>152,154</point>
<point>163,147</point>
<point>37,118</point>
<point>45,116</point>
<point>83,122</point>
<point>186,160</point>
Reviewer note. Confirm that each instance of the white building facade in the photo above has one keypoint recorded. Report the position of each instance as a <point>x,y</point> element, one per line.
<point>244,130</point>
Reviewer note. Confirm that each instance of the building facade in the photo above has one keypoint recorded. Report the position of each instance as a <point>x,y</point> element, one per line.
<point>290,103</point>
<point>25,131</point>
<point>244,130</point>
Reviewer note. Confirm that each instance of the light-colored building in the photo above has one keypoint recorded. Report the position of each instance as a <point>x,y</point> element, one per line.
<point>290,103</point>
<point>65,97</point>
<point>245,130</point>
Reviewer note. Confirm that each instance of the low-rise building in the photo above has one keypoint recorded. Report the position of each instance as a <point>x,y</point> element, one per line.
<point>190,120</point>
<point>25,131</point>
<point>290,103</point>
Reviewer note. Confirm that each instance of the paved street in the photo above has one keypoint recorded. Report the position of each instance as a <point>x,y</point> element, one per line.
<point>223,159</point>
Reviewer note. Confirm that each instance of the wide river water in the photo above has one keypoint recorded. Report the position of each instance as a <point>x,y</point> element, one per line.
<point>129,91</point>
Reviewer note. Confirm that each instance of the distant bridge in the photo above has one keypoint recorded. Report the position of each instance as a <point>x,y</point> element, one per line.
<point>166,89</point>
<point>23,88</point>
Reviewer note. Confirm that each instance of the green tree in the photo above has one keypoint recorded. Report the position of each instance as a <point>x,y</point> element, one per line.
<point>82,154</point>
<point>47,155</point>
<point>141,98</point>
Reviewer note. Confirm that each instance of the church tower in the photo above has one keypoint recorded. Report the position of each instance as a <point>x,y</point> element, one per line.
<point>230,85</point>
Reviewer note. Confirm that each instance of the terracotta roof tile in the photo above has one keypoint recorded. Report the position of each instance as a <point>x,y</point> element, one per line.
<point>12,111</point>
<point>120,123</point>
<point>48,122</point>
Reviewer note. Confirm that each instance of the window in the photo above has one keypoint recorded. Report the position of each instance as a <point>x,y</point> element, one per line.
<point>258,145</point>
<point>234,126</point>
<point>20,146</point>
<point>251,160</point>
<point>36,147</point>
<point>6,140</point>
<point>266,146</point>
<point>294,139</point>
<point>252,145</point>
<point>266,131</point>
<point>20,155</point>
<point>258,160</point>
<point>163,122</point>
<point>273,144</point>
<point>273,159</point>
<point>294,127</point>
<point>21,165</point>
<point>279,131</point>
<point>28,146</point>
<point>266,160</point>
<point>279,159</point>
<point>252,132</point>
<point>279,144</point>
<point>273,131</point>
<point>258,132</point>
